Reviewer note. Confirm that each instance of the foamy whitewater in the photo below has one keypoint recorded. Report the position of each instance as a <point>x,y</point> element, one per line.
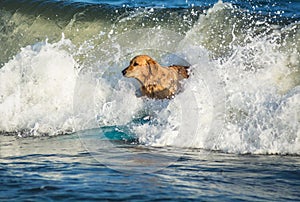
<point>242,96</point>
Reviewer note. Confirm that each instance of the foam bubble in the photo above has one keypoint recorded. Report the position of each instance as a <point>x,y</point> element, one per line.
<point>37,88</point>
<point>242,96</point>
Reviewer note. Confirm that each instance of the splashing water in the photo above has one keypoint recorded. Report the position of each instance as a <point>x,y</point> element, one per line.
<point>242,97</point>
<point>37,87</point>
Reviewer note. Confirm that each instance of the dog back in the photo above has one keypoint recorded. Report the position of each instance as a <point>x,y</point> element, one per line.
<point>182,71</point>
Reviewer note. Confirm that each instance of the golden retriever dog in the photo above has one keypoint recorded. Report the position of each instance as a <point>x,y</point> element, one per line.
<point>157,82</point>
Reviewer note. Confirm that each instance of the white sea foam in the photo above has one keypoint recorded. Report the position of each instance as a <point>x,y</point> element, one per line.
<point>37,88</point>
<point>244,102</point>
<point>259,81</point>
<point>262,98</point>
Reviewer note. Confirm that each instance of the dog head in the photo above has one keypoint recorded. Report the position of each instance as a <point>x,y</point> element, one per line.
<point>141,65</point>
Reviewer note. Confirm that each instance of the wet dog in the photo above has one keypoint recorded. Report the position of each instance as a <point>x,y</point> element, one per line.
<point>157,82</point>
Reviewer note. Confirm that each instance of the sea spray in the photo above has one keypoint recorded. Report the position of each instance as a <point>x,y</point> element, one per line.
<point>37,87</point>
<point>242,95</point>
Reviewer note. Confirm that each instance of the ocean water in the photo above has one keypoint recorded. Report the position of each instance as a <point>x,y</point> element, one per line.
<point>73,128</point>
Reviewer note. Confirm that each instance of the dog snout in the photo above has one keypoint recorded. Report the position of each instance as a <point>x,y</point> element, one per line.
<point>124,71</point>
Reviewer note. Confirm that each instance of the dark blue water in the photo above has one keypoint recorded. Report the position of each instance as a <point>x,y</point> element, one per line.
<point>111,145</point>
<point>52,169</point>
<point>287,8</point>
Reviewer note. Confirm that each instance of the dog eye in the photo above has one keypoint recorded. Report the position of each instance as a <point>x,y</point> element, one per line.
<point>135,64</point>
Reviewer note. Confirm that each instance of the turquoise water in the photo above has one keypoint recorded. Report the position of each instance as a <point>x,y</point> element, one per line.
<point>73,128</point>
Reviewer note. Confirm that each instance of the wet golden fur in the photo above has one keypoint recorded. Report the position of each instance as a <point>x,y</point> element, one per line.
<point>157,81</point>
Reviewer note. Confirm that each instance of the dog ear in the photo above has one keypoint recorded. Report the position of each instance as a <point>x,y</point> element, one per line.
<point>153,66</point>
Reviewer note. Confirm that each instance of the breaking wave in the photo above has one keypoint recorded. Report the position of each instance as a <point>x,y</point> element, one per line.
<point>242,97</point>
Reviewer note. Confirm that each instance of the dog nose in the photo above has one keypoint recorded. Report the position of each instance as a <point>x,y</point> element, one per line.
<point>124,72</point>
